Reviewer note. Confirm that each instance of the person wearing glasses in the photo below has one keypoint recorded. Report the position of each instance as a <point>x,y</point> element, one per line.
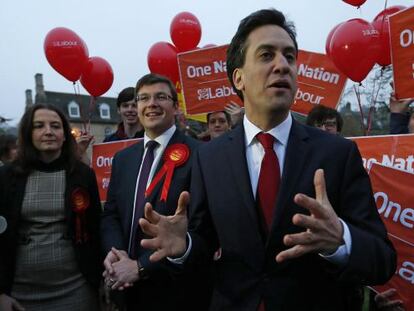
<point>156,170</point>
<point>325,118</point>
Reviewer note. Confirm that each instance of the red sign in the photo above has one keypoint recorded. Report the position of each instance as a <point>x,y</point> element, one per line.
<point>204,80</point>
<point>402,51</point>
<point>390,150</point>
<point>319,82</point>
<point>102,155</point>
<point>395,200</point>
<point>206,87</point>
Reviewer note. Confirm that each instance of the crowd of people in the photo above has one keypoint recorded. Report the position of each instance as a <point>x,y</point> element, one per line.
<point>254,214</point>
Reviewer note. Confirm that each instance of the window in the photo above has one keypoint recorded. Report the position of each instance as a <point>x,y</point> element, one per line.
<point>73,109</point>
<point>104,111</point>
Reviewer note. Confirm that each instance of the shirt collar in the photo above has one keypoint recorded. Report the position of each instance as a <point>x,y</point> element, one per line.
<point>279,132</point>
<point>163,139</point>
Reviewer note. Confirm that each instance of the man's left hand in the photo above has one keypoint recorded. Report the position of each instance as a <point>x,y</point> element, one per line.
<point>324,230</point>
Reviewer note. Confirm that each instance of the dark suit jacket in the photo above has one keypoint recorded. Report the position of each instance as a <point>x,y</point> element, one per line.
<point>223,213</point>
<point>163,289</point>
<point>12,191</point>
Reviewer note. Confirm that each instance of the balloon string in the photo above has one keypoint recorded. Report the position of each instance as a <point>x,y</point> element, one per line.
<point>358,96</point>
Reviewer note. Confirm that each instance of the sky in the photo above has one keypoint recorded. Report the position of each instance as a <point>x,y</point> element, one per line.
<point>122,32</point>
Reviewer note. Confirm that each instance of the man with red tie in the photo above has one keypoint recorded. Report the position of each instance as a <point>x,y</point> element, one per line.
<point>290,206</point>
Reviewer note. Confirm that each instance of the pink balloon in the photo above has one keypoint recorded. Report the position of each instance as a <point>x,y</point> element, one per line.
<point>66,52</point>
<point>356,3</point>
<point>381,23</point>
<point>185,31</point>
<point>354,48</point>
<point>97,76</point>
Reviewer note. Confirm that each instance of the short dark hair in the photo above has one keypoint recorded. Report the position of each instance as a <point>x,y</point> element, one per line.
<point>226,114</point>
<point>152,78</point>
<point>125,95</point>
<point>320,113</point>
<point>7,142</point>
<point>28,155</point>
<point>236,52</point>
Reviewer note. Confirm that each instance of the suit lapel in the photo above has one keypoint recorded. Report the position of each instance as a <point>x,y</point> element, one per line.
<point>236,155</point>
<point>296,155</point>
<point>133,164</point>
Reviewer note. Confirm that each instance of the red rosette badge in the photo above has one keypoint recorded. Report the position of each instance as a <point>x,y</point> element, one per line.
<point>80,202</point>
<point>174,156</point>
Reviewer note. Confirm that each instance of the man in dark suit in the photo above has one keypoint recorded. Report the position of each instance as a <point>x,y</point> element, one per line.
<point>140,174</point>
<point>290,206</point>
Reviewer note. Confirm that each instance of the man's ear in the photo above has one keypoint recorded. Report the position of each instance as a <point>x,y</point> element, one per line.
<point>238,79</point>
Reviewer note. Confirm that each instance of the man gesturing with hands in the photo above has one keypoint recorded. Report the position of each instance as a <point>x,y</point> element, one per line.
<point>290,207</point>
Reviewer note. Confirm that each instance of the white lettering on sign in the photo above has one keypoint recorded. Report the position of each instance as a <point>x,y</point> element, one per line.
<point>193,71</point>
<point>406,38</point>
<point>65,43</point>
<point>318,73</point>
<point>219,92</point>
<point>398,214</point>
<point>220,66</point>
<point>308,97</point>
<point>405,164</point>
<point>407,271</point>
<point>102,161</point>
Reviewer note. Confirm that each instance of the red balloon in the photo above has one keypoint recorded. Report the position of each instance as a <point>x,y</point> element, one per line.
<point>329,38</point>
<point>66,52</point>
<point>381,23</point>
<point>97,76</point>
<point>355,2</point>
<point>354,48</point>
<point>185,31</point>
<point>162,59</point>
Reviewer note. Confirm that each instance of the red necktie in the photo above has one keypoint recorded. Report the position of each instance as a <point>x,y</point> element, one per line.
<point>269,178</point>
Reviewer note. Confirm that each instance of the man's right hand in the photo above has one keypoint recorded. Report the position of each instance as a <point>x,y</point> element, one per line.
<point>8,303</point>
<point>168,232</point>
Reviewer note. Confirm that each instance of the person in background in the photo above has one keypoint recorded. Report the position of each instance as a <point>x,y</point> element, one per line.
<point>236,113</point>
<point>50,252</point>
<point>128,128</point>
<point>218,123</point>
<point>401,117</point>
<point>8,148</point>
<point>325,118</point>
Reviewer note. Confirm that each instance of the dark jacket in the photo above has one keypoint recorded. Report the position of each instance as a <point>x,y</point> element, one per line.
<point>223,213</point>
<point>399,123</point>
<point>121,135</point>
<point>12,188</point>
<point>163,290</point>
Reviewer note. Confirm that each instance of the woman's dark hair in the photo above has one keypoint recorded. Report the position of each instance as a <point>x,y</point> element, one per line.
<point>28,155</point>
<point>236,53</point>
<point>7,143</point>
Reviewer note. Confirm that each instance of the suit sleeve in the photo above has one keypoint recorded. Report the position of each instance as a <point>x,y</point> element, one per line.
<point>201,228</point>
<point>111,228</point>
<point>373,257</point>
